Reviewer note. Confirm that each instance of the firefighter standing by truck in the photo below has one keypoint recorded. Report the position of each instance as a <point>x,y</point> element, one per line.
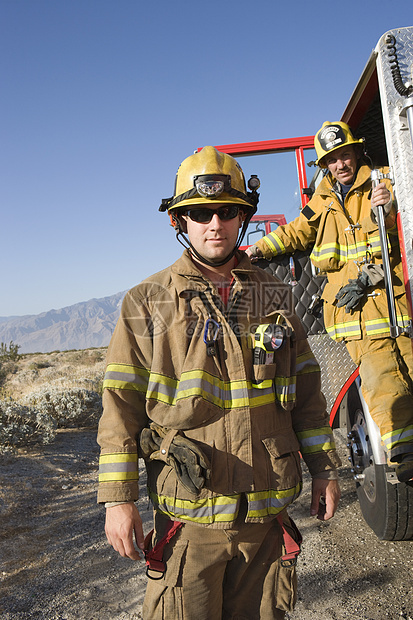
<point>214,384</point>
<point>340,222</point>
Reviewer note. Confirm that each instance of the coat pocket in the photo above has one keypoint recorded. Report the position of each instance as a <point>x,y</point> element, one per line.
<point>281,444</point>
<point>284,460</point>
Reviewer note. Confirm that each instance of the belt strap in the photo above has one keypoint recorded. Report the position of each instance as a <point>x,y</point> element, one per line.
<point>154,556</point>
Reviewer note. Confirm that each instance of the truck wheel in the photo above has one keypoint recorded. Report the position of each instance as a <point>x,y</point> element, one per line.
<point>387,508</point>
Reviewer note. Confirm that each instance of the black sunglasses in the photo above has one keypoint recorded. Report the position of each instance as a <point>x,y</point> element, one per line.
<point>204,216</point>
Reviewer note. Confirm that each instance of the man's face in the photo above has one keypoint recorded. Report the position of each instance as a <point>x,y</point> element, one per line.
<point>216,239</point>
<point>342,164</point>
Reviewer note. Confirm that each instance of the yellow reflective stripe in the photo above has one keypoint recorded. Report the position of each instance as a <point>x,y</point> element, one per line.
<point>345,253</point>
<point>262,399</point>
<point>118,466</point>
<point>343,330</point>
<point>119,476</point>
<point>162,388</point>
<point>118,457</point>
<point>285,388</point>
<point>223,394</point>
<point>329,250</point>
<point>224,508</point>
<point>220,509</point>
<point>316,440</point>
<point>306,362</point>
<point>266,383</point>
<point>401,435</point>
<point>382,325</point>
<point>198,383</point>
<point>265,503</point>
<point>125,377</point>
<point>274,243</point>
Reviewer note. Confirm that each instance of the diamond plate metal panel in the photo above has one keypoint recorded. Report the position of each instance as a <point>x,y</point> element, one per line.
<point>335,363</point>
<point>398,137</point>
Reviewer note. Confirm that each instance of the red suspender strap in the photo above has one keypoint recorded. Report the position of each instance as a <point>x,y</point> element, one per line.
<point>292,546</point>
<point>154,556</point>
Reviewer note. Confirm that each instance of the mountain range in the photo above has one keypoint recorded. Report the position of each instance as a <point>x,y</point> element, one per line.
<point>81,326</point>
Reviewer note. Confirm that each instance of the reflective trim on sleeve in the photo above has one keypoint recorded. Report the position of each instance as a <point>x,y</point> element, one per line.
<point>274,243</point>
<point>316,440</point>
<point>401,435</point>
<point>306,363</point>
<point>125,377</point>
<point>118,467</point>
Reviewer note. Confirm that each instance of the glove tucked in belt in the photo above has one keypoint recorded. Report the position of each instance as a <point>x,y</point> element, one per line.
<point>352,293</point>
<point>189,462</point>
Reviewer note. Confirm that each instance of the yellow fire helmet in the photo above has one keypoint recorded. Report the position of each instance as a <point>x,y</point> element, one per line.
<point>330,137</point>
<point>206,177</point>
<point>209,176</point>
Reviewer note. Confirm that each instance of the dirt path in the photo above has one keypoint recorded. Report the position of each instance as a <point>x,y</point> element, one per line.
<point>55,563</point>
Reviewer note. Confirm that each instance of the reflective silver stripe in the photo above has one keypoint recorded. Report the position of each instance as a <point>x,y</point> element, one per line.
<point>404,435</point>
<point>118,466</point>
<point>285,388</point>
<point>198,383</point>
<point>345,253</point>
<point>382,326</point>
<point>110,467</point>
<point>275,243</point>
<point>306,363</point>
<point>342,330</point>
<point>272,502</point>
<point>125,377</point>
<point>316,440</point>
<point>211,388</point>
<point>222,509</point>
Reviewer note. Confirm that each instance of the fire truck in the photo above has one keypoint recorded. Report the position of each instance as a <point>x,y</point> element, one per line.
<point>380,110</point>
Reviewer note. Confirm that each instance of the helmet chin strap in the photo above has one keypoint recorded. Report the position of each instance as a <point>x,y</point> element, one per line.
<point>185,242</point>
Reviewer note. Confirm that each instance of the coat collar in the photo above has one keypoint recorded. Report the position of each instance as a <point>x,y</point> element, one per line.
<point>325,188</point>
<point>189,277</point>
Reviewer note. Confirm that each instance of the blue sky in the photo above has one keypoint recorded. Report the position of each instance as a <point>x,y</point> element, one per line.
<point>102,99</point>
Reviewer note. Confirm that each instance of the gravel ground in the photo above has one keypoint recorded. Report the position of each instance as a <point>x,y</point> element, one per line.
<point>55,563</point>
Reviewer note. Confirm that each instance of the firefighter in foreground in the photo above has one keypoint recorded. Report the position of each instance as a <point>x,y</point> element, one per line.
<point>211,380</point>
<point>340,221</point>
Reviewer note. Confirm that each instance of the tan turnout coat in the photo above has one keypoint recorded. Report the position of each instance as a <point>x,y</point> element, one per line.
<point>343,240</point>
<point>251,432</point>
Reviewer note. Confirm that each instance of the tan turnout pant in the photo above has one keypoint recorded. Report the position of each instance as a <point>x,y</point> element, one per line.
<point>222,575</point>
<point>386,371</point>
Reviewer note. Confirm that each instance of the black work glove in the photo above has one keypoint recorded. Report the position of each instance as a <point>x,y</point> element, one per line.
<point>189,462</point>
<point>352,293</point>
